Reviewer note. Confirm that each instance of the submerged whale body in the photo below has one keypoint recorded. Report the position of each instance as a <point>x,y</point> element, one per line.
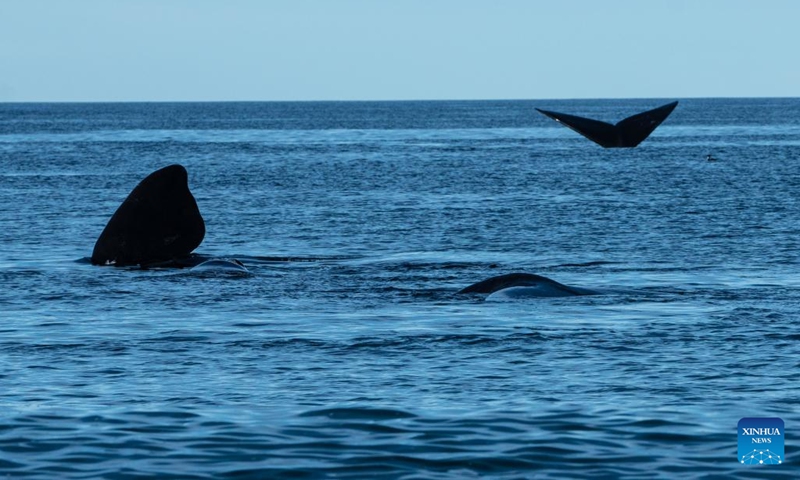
<point>627,133</point>
<point>516,285</point>
<point>159,222</point>
<point>222,265</point>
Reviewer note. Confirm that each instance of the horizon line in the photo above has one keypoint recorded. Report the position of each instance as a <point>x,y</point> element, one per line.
<point>7,102</point>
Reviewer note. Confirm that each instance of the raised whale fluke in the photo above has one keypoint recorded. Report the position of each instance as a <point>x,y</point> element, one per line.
<point>158,222</point>
<point>625,134</point>
<point>534,285</point>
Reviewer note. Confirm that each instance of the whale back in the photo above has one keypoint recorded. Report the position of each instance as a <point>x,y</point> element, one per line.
<point>530,284</point>
<point>158,221</point>
<point>229,266</point>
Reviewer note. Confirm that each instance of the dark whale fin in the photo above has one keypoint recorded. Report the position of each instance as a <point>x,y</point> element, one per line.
<point>601,133</point>
<point>158,222</point>
<point>501,282</point>
<point>627,133</point>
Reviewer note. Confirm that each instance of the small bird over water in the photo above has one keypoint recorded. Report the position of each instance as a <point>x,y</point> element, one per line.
<point>710,158</point>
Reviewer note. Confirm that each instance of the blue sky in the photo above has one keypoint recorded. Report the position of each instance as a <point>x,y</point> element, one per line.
<point>187,50</point>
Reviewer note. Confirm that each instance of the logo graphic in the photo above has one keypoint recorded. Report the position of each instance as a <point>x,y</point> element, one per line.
<point>761,441</point>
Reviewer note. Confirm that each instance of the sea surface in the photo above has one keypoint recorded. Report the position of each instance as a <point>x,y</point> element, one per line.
<point>347,353</point>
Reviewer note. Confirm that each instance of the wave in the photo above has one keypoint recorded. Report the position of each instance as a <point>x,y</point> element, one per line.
<point>359,441</point>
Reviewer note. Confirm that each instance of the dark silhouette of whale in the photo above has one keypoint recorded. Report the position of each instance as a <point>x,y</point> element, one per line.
<point>158,223</point>
<point>533,285</point>
<point>627,133</point>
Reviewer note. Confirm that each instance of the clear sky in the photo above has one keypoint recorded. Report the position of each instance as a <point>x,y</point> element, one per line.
<point>187,50</point>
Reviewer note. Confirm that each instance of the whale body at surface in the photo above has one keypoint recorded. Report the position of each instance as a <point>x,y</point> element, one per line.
<point>158,222</point>
<point>228,266</point>
<point>524,285</point>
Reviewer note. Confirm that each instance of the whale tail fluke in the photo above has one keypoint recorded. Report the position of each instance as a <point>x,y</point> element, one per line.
<point>627,133</point>
<point>158,222</point>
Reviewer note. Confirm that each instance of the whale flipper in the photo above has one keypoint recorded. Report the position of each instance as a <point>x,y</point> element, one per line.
<point>158,222</point>
<point>534,286</point>
<point>627,133</point>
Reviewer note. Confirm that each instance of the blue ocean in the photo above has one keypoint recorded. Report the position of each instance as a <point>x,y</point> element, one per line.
<point>347,352</point>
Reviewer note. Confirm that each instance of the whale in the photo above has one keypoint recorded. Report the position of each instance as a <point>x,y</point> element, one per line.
<point>226,266</point>
<point>158,224</point>
<point>523,285</point>
<point>626,133</point>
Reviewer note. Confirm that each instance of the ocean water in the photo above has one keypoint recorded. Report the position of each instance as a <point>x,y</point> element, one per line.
<point>347,352</point>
